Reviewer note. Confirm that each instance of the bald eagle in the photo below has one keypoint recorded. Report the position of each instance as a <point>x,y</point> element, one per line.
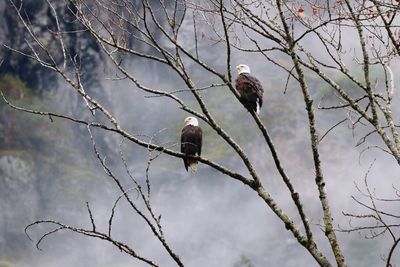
<point>191,141</point>
<point>249,88</point>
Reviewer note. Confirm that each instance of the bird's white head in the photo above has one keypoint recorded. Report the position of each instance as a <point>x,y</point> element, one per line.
<point>191,121</point>
<point>242,68</point>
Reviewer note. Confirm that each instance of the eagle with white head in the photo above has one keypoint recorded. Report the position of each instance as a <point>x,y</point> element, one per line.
<point>249,88</point>
<point>191,142</point>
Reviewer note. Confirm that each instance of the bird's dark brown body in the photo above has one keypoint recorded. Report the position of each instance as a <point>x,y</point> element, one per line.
<point>250,90</point>
<point>191,142</point>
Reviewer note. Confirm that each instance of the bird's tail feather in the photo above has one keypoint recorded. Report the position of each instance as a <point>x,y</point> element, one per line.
<point>258,107</point>
<point>193,165</point>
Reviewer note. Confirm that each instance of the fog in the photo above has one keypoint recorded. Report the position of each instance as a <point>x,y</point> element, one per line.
<point>208,219</point>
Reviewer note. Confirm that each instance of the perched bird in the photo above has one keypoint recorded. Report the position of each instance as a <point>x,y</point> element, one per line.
<point>249,88</point>
<point>191,141</point>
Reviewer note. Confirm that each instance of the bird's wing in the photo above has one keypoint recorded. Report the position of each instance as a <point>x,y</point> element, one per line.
<point>183,140</point>
<point>183,146</point>
<point>199,140</point>
<point>256,87</point>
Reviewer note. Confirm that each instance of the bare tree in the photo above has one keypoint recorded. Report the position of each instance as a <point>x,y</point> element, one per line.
<point>274,30</point>
<point>377,221</point>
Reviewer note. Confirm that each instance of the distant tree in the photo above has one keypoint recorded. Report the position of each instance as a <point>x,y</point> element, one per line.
<point>274,30</point>
<point>243,262</point>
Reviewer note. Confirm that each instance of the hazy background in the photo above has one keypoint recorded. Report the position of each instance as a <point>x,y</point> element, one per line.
<point>48,169</point>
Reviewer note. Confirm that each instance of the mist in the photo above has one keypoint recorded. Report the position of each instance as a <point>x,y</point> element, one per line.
<point>208,219</point>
